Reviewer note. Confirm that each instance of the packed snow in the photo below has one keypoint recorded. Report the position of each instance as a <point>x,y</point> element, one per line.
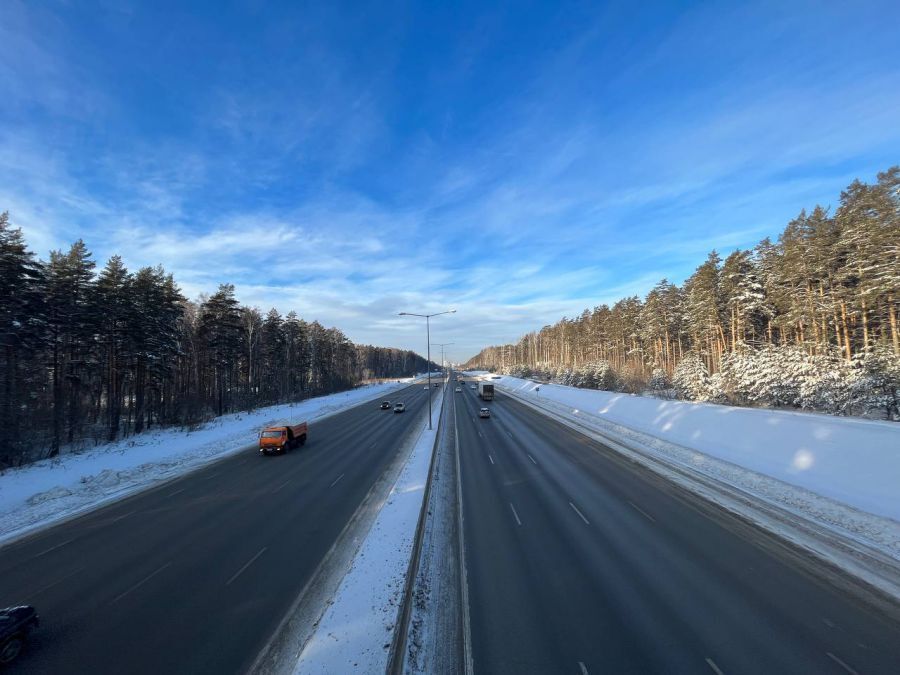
<point>356,632</point>
<point>45,492</point>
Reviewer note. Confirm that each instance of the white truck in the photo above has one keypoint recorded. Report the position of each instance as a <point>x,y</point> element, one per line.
<point>486,391</point>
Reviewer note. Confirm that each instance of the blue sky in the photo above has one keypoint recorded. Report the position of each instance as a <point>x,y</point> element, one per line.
<point>519,162</point>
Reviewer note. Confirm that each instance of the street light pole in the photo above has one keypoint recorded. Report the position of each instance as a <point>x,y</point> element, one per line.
<point>428,336</point>
<point>442,345</point>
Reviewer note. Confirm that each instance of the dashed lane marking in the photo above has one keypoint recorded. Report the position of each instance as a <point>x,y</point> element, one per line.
<point>491,458</point>
<point>516,515</point>
<point>336,480</point>
<point>641,511</point>
<point>532,459</point>
<point>586,522</point>
<point>841,663</point>
<point>140,583</point>
<point>715,668</point>
<point>53,548</point>
<point>249,562</point>
<point>282,485</point>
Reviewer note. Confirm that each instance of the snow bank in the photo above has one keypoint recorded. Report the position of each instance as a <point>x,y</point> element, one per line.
<point>39,494</point>
<point>856,462</point>
<point>356,631</point>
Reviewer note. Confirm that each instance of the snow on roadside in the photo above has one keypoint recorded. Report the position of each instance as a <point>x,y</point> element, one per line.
<point>356,631</point>
<point>42,493</point>
<point>852,461</point>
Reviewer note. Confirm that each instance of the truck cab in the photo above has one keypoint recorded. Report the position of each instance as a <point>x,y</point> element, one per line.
<point>280,439</point>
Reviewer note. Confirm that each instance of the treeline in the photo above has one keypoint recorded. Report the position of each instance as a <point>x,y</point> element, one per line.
<point>818,305</point>
<point>90,356</point>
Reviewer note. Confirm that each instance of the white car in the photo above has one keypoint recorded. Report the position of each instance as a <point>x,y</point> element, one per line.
<point>399,407</point>
<point>425,387</point>
<point>473,387</point>
<point>458,389</point>
<point>484,412</point>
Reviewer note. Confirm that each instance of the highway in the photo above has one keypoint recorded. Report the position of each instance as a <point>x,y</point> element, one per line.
<point>194,576</point>
<point>578,561</point>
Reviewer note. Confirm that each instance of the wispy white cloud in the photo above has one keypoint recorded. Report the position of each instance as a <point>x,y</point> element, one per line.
<point>313,183</point>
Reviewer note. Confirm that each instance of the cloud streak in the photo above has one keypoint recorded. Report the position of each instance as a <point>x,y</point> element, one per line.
<point>351,165</point>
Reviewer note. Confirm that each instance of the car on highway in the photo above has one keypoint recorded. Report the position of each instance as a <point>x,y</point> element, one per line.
<point>472,386</point>
<point>484,412</point>
<point>385,405</point>
<point>15,625</point>
<point>425,387</point>
<point>399,407</point>
<point>458,389</point>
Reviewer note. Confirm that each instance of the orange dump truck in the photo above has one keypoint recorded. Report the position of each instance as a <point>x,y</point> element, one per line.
<point>281,438</point>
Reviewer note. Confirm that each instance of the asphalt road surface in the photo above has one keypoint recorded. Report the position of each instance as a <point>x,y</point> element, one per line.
<point>194,576</point>
<point>580,562</point>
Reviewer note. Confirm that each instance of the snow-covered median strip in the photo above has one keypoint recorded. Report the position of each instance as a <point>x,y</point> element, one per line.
<point>356,631</point>
<point>45,492</point>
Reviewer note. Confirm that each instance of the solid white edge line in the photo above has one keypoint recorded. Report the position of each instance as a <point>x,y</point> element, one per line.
<point>250,562</point>
<point>177,492</point>
<point>140,583</point>
<point>586,521</point>
<point>712,664</point>
<point>532,459</point>
<point>464,582</point>
<point>514,513</point>
<point>641,511</point>
<point>336,480</point>
<point>841,663</point>
<point>491,458</point>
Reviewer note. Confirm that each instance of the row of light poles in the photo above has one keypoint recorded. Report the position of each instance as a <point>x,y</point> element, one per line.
<point>427,318</point>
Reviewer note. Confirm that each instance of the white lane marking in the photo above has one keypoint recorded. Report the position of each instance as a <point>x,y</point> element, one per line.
<point>579,513</point>
<point>282,485</point>
<point>210,477</point>
<point>53,548</point>
<point>828,623</point>
<point>584,670</point>
<point>532,459</point>
<point>172,494</point>
<point>491,458</point>
<point>712,664</point>
<point>249,562</point>
<point>55,583</point>
<point>841,663</point>
<point>479,435</point>
<point>514,513</point>
<point>510,435</point>
<point>140,583</point>
<point>336,480</point>
<point>641,511</point>
<point>118,518</point>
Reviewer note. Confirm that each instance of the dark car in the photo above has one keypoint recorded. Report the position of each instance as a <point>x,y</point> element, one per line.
<point>15,625</point>
<point>385,405</point>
